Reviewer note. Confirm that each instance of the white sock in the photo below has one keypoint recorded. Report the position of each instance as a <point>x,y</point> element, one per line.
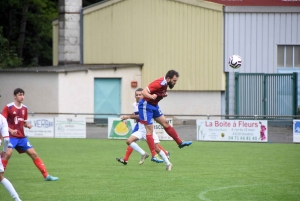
<point>137,148</point>
<point>9,187</point>
<point>164,157</point>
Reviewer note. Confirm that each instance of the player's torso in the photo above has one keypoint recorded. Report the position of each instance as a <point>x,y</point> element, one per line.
<point>16,116</point>
<point>158,87</point>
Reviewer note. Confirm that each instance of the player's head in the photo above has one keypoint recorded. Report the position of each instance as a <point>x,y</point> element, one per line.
<point>171,78</point>
<point>19,95</point>
<point>138,94</point>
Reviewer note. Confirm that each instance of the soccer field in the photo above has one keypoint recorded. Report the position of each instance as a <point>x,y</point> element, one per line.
<point>207,171</point>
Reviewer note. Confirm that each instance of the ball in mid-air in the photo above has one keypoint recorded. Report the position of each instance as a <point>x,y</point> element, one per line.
<point>235,61</point>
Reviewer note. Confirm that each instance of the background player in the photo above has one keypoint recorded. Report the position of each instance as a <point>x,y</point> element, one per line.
<point>5,182</point>
<point>132,139</point>
<point>149,109</point>
<point>16,116</point>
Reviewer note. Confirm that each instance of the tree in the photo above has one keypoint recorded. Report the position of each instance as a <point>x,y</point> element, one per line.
<point>8,56</point>
<point>27,26</point>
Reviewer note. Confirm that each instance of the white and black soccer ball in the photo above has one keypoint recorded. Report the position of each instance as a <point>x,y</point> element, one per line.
<point>235,61</point>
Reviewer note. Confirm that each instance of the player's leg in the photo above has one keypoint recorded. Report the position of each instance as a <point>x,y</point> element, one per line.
<point>171,131</point>
<point>165,151</point>
<point>161,153</point>
<point>146,118</point>
<point>129,148</point>
<point>25,146</point>
<point>7,185</point>
<point>132,143</point>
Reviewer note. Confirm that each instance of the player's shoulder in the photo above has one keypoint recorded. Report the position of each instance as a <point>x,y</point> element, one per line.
<point>9,105</point>
<point>162,81</point>
<point>134,104</point>
<point>24,106</point>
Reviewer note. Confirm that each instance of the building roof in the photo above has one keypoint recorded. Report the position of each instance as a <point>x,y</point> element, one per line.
<point>257,2</point>
<point>70,68</point>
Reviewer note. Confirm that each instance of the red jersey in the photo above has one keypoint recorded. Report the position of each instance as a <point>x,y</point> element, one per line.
<point>158,87</point>
<point>15,117</point>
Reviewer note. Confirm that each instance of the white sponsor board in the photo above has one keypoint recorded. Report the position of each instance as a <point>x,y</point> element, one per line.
<point>232,130</point>
<point>41,127</point>
<point>70,127</point>
<point>160,131</point>
<point>296,130</point>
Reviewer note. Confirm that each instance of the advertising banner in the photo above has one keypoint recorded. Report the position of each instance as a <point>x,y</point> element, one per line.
<point>296,130</point>
<point>232,130</point>
<point>70,127</point>
<point>118,129</point>
<point>41,127</point>
<point>160,131</point>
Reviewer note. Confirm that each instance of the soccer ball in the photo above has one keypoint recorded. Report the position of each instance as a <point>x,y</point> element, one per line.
<point>235,61</point>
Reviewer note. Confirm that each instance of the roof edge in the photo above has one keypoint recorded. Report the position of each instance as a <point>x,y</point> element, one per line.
<point>261,9</point>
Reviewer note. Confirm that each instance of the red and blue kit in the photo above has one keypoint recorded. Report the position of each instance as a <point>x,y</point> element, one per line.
<point>16,116</point>
<point>148,108</point>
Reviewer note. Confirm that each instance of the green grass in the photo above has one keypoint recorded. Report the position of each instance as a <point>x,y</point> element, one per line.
<point>209,171</point>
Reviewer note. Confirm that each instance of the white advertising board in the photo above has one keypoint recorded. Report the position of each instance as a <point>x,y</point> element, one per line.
<point>160,131</point>
<point>296,130</point>
<point>41,128</point>
<point>70,127</point>
<point>232,130</point>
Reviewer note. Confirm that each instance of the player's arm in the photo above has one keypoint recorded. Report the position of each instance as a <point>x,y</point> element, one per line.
<point>27,125</point>
<point>146,93</point>
<point>131,116</point>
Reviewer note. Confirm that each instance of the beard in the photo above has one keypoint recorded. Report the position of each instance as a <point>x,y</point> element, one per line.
<point>170,85</point>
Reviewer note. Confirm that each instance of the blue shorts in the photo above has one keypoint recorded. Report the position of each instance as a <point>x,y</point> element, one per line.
<point>148,112</point>
<point>20,144</point>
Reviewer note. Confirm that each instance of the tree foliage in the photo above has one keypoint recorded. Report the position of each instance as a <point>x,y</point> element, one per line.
<point>26,37</point>
<point>27,31</point>
<point>8,56</point>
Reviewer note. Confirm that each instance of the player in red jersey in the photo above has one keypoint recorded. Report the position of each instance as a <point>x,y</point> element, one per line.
<point>5,182</point>
<point>149,109</point>
<point>16,115</point>
<point>131,141</point>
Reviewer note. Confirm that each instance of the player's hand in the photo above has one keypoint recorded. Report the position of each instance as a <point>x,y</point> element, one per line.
<point>124,118</point>
<point>154,96</point>
<point>29,125</point>
<point>166,94</point>
<point>13,132</point>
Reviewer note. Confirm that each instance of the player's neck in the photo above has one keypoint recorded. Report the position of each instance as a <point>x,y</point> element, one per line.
<point>18,104</point>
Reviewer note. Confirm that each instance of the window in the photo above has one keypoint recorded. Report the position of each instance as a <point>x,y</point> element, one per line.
<point>288,56</point>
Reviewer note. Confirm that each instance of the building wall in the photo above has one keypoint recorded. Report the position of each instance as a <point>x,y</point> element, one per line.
<point>184,35</point>
<point>41,94</point>
<point>254,33</point>
<point>76,89</point>
<point>199,103</point>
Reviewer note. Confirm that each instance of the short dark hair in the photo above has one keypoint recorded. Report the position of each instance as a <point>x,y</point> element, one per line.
<point>18,90</point>
<point>139,89</point>
<point>171,73</point>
